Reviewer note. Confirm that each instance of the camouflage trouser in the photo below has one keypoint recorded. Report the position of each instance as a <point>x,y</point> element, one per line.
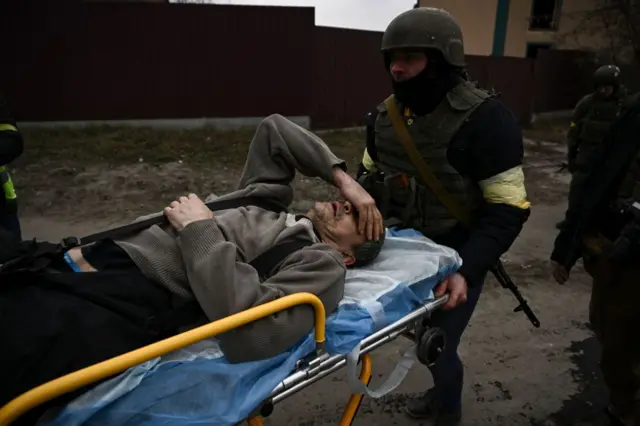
<point>614,313</point>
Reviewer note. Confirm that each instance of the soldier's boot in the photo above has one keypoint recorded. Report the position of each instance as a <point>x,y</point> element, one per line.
<point>425,407</point>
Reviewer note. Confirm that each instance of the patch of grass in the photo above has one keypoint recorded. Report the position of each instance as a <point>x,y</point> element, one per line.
<point>126,145</point>
<point>111,171</point>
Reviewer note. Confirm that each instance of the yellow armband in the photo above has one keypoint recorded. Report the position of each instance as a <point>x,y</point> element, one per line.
<point>7,127</point>
<point>367,161</point>
<point>506,188</point>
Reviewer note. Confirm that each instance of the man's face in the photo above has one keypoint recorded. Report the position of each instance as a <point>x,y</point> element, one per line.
<point>336,223</point>
<point>406,64</point>
<point>605,91</point>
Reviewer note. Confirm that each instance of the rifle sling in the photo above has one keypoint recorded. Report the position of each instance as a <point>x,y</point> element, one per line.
<point>134,227</point>
<point>460,213</point>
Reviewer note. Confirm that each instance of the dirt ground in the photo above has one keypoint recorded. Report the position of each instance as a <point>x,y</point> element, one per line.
<point>76,182</point>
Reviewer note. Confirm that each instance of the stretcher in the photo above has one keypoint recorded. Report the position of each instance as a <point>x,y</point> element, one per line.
<point>186,379</point>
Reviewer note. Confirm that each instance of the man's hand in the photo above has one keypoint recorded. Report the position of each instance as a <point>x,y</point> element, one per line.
<point>456,286</point>
<point>370,219</point>
<point>186,210</point>
<point>559,272</point>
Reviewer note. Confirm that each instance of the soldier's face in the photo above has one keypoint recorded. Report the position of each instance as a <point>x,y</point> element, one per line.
<point>605,91</point>
<point>406,64</point>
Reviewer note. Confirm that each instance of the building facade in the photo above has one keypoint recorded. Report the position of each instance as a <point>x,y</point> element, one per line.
<point>519,28</point>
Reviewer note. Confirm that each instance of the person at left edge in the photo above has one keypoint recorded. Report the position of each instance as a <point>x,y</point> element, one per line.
<point>11,147</point>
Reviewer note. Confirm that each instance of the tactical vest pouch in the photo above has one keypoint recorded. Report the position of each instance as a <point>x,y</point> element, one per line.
<point>380,186</point>
<point>374,183</point>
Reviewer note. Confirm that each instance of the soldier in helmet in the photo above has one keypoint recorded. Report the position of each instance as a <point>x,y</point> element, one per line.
<point>473,145</point>
<point>592,117</point>
<point>603,228</point>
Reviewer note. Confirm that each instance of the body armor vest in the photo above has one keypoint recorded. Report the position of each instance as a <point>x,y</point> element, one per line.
<point>407,201</point>
<point>595,124</point>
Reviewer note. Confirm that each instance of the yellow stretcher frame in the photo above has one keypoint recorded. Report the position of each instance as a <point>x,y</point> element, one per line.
<point>73,381</point>
<point>110,367</point>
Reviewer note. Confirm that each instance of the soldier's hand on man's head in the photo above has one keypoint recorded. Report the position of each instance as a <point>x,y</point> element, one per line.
<point>370,221</point>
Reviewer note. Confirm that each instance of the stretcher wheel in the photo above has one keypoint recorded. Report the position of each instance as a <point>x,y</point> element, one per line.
<point>430,345</point>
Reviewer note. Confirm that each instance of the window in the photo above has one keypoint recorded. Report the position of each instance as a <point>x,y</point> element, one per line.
<point>544,15</point>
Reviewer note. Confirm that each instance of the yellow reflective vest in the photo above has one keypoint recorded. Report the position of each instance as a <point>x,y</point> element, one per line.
<point>8,188</point>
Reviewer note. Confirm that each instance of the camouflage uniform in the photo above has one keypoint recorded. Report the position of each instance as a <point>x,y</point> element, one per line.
<point>613,310</point>
<point>591,120</point>
<point>615,318</point>
<point>596,228</point>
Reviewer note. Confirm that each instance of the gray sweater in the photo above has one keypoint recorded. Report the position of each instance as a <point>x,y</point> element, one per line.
<point>208,259</point>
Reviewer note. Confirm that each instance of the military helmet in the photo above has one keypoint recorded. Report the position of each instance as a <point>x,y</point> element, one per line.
<point>428,28</point>
<point>606,75</point>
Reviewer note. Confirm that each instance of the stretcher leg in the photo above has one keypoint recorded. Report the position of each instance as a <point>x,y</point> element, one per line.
<point>255,421</point>
<point>354,401</point>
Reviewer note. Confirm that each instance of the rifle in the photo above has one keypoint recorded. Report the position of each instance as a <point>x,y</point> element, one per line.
<point>505,281</point>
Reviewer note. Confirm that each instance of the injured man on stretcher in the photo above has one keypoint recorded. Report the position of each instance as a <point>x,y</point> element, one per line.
<point>115,295</point>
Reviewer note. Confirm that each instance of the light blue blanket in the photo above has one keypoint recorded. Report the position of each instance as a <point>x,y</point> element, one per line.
<point>196,385</point>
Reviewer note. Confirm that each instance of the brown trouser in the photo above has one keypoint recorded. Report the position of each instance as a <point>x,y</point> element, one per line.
<point>614,313</point>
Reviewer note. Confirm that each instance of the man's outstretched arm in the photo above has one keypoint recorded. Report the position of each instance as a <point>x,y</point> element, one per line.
<point>280,148</point>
